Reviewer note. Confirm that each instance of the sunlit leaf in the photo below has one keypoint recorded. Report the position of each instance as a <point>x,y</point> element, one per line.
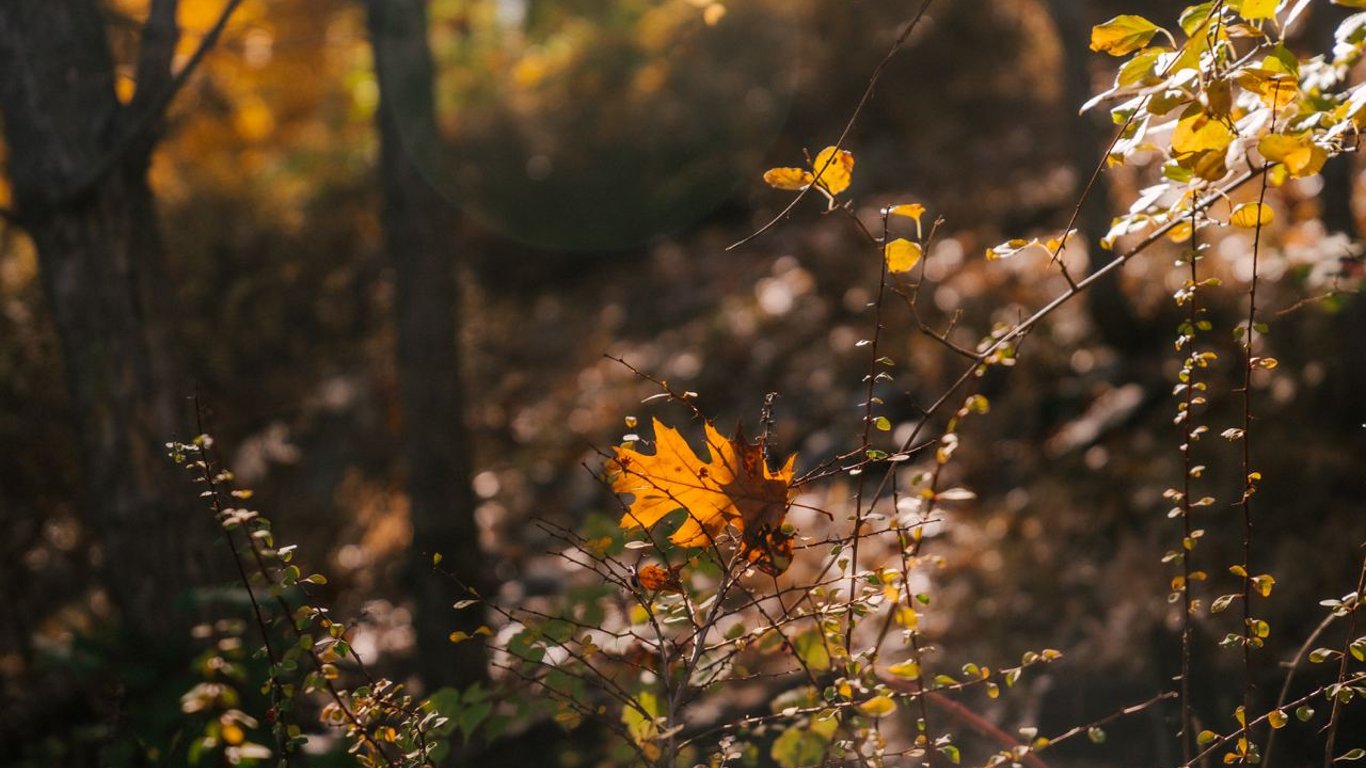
<point>834,169</point>
<point>1199,132</point>
<point>655,578</point>
<point>902,255</point>
<point>1263,584</point>
<point>1252,10</point>
<point>735,488</point>
<point>878,706</point>
<point>1301,156</point>
<point>1122,35</point>
<point>907,669</point>
<point>791,179</point>
<point>909,210</point>
<point>1249,215</point>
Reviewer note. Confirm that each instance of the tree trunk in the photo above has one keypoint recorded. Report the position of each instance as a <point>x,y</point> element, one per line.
<point>101,259</point>
<point>1108,306</point>
<point>1338,172</point>
<point>418,233</point>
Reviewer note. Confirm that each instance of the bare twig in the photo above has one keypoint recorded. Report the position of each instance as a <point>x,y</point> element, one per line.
<point>848,126</point>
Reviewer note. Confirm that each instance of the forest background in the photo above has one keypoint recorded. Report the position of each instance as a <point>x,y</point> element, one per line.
<point>593,162</point>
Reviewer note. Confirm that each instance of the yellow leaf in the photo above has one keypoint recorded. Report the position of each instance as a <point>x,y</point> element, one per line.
<point>1249,215</point>
<point>906,617</point>
<point>1253,10</point>
<point>1277,87</point>
<point>791,179</point>
<point>1301,156</point>
<point>1122,35</point>
<point>902,255</point>
<point>834,169</point>
<point>907,669</point>
<point>1200,133</point>
<point>1263,584</point>
<point>909,210</point>
<point>1009,248</point>
<point>734,488</point>
<point>878,706</point>
<point>1277,719</point>
<point>711,15</point>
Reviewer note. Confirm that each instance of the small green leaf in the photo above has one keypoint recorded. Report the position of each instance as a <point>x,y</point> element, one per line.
<point>1320,655</point>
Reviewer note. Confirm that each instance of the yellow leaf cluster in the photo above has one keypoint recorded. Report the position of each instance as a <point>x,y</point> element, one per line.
<point>831,172</point>
<point>1301,156</point>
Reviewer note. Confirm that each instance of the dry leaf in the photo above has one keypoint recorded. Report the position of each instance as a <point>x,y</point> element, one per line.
<point>735,488</point>
<point>656,578</point>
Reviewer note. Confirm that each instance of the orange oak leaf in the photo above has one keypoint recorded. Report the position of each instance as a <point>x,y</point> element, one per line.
<point>733,489</point>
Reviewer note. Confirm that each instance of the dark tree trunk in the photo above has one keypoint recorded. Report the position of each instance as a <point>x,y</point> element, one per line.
<point>418,233</point>
<point>101,259</point>
<point>1109,308</point>
<point>1336,194</point>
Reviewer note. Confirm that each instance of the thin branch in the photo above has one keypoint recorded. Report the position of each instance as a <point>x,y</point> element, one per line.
<point>143,121</point>
<point>848,126</point>
<point>872,375</point>
<point>1292,667</point>
<point>1332,726</point>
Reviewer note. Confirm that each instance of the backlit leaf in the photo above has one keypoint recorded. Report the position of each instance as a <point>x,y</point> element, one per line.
<point>907,669</point>
<point>909,210</point>
<point>1249,215</point>
<point>1253,10</point>
<point>792,179</point>
<point>834,169</point>
<point>1122,35</point>
<point>878,706</point>
<point>1301,156</point>
<point>1199,132</point>
<point>735,489</point>
<point>902,255</point>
